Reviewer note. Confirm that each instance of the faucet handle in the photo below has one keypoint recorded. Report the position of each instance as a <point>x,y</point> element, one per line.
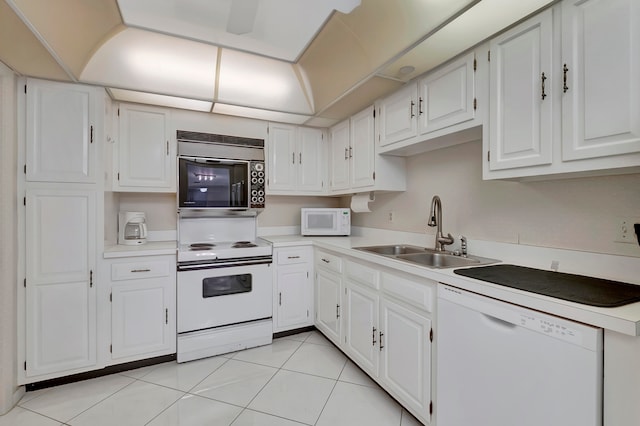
<point>463,245</point>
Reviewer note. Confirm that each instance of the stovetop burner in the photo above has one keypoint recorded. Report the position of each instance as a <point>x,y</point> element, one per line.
<point>201,246</point>
<point>243,244</point>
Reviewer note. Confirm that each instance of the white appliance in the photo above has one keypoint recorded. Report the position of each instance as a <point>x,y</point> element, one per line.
<point>132,228</point>
<point>499,364</point>
<point>325,221</point>
<point>224,286</point>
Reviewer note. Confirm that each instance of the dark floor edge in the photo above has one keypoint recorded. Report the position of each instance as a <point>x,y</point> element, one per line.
<point>294,331</point>
<point>119,368</point>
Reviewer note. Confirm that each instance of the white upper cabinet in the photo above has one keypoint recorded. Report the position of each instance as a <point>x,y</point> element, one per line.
<point>521,99</point>
<point>447,95</point>
<point>600,70</point>
<point>583,116</point>
<point>439,110</point>
<point>398,115</point>
<point>362,150</point>
<point>339,167</point>
<point>145,155</point>
<point>60,132</point>
<point>295,160</point>
<point>355,165</point>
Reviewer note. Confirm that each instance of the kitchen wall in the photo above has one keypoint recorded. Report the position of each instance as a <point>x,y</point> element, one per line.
<point>161,210</point>
<point>578,214</point>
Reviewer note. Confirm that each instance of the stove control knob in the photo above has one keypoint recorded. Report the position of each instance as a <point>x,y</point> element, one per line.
<point>261,174</point>
<point>259,167</point>
<point>254,173</point>
<point>260,181</point>
<point>254,180</point>
<point>261,200</point>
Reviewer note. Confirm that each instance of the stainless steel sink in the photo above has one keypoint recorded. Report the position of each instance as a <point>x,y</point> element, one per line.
<point>423,256</point>
<point>393,250</point>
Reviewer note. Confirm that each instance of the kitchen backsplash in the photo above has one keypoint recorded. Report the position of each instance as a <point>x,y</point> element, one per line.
<point>577,214</point>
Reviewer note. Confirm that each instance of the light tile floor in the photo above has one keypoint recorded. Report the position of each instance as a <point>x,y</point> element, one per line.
<point>298,380</point>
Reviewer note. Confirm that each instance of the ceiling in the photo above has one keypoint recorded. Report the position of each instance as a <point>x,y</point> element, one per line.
<point>312,62</point>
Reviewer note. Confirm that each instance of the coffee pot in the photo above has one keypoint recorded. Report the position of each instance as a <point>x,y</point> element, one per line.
<point>132,228</point>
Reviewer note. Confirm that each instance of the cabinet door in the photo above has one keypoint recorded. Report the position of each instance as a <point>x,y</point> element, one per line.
<point>328,287</point>
<point>446,96</point>
<point>281,157</point>
<point>520,128</point>
<point>362,151</point>
<point>60,291</point>
<point>145,155</point>
<point>339,167</point>
<point>311,162</point>
<point>293,300</point>
<point>405,355</point>
<point>143,318</point>
<point>601,63</point>
<point>361,327</point>
<point>398,115</point>
<point>60,132</point>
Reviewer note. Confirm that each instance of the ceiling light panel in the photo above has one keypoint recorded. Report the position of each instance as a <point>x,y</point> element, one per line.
<point>259,114</point>
<point>157,63</point>
<point>276,28</point>
<point>162,100</point>
<point>260,82</point>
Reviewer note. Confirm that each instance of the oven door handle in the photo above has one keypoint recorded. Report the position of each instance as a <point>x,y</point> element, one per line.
<point>228,264</point>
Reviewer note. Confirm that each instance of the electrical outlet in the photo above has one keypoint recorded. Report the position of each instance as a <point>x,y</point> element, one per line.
<point>625,232</point>
<point>391,216</point>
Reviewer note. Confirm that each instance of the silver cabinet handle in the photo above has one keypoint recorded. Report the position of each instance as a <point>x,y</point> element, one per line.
<point>381,344</point>
<point>420,106</point>
<point>300,158</point>
<point>141,270</point>
<point>543,79</point>
<point>325,260</point>
<point>293,257</point>
<point>373,337</point>
<point>411,109</point>
<point>350,152</point>
<point>565,70</point>
<point>346,153</point>
<point>293,158</point>
<point>280,299</point>
<point>337,311</point>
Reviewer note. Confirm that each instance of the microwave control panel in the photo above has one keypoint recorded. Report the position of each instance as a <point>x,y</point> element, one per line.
<point>256,186</point>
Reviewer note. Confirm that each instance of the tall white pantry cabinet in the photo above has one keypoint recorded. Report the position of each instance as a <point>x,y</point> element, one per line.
<point>59,133</point>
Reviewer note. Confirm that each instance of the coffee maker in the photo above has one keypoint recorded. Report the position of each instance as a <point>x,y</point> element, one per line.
<point>132,228</point>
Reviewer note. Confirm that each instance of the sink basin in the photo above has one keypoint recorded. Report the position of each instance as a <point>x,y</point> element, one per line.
<point>423,256</point>
<point>439,260</point>
<point>393,250</point>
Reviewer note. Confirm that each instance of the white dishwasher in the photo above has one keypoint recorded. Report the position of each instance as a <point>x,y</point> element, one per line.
<point>500,364</point>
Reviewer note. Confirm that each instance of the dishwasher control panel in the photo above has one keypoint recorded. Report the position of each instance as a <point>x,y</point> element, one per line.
<point>552,327</point>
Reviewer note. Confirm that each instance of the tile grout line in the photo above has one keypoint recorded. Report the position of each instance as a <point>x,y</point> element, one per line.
<point>330,393</point>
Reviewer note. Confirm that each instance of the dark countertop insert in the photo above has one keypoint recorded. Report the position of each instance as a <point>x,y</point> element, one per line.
<point>574,288</point>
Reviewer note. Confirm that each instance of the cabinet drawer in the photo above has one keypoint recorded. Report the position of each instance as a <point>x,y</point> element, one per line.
<point>413,292</point>
<point>362,274</point>
<point>291,256</point>
<point>328,261</point>
<point>136,270</point>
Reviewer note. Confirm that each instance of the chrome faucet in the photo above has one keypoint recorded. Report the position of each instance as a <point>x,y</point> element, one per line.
<point>435,219</point>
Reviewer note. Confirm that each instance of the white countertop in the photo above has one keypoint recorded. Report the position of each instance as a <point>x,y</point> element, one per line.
<point>151,248</point>
<point>624,319</point>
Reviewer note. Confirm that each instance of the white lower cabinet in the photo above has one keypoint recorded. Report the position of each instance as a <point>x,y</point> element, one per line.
<point>405,355</point>
<point>387,328</point>
<point>143,307</point>
<point>328,289</point>
<point>60,293</point>
<point>293,296</point>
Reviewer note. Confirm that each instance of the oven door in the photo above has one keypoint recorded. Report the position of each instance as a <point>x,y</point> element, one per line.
<point>217,296</point>
<point>213,183</point>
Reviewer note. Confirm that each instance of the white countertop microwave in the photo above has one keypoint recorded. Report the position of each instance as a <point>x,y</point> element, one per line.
<point>325,221</point>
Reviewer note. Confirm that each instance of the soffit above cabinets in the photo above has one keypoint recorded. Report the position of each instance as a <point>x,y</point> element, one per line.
<point>222,55</point>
